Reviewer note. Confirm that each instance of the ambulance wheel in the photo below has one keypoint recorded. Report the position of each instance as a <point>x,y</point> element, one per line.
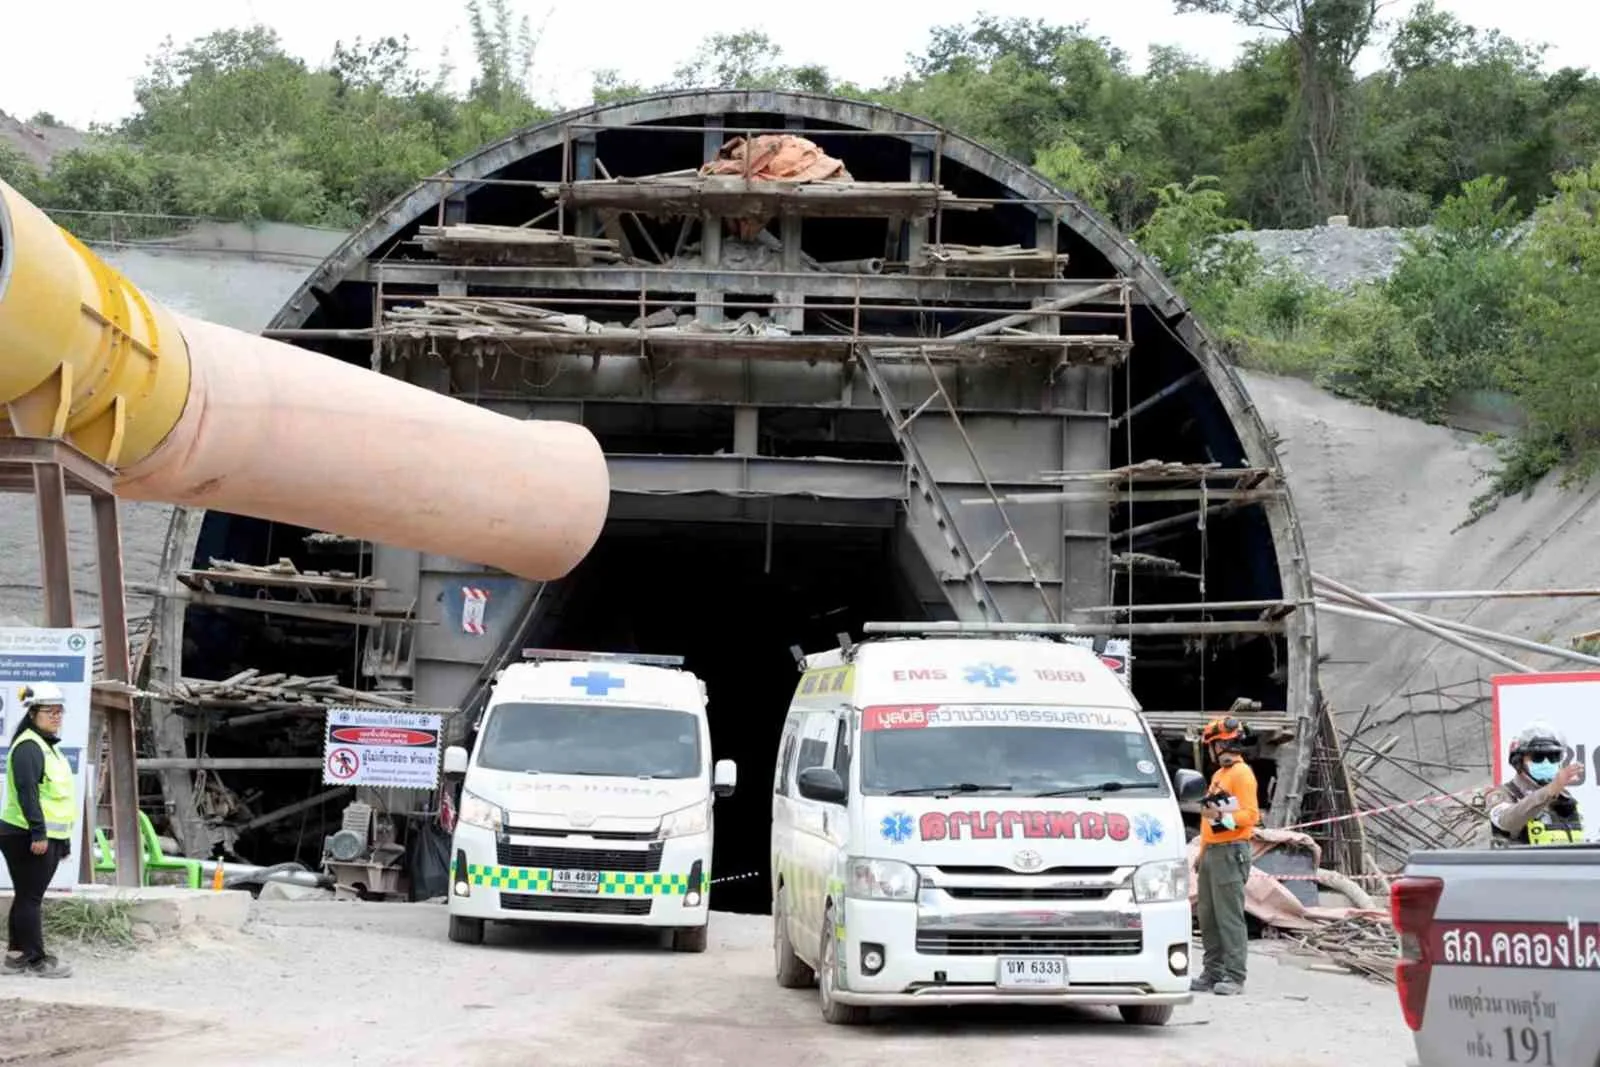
<point>791,970</point>
<point>832,1010</point>
<point>690,938</point>
<point>1145,1014</point>
<point>466,931</point>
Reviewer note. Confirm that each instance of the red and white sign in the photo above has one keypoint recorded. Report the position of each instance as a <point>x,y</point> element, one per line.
<point>1117,654</point>
<point>343,764</point>
<point>924,716</point>
<point>383,735</point>
<point>1565,702</point>
<point>381,748</point>
<point>474,605</point>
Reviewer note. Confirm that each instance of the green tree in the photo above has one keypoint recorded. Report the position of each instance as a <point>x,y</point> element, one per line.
<point>18,171</point>
<point>1326,36</point>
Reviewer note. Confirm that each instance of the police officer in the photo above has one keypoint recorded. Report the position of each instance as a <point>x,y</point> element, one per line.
<point>1534,807</point>
<point>36,816</point>
<point>1229,814</point>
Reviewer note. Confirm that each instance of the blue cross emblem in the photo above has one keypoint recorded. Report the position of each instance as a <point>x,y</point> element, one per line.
<point>598,683</point>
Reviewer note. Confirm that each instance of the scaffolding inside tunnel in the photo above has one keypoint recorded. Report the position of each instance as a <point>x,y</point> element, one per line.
<point>940,389</point>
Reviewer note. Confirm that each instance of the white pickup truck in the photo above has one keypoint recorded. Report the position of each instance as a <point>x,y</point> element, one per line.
<point>1500,955</point>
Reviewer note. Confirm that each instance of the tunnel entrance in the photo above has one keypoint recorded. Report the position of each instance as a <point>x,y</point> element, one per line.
<point>732,600</point>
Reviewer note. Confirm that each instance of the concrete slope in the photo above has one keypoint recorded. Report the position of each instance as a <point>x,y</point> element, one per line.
<point>1380,498</point>
<point>226,288</point>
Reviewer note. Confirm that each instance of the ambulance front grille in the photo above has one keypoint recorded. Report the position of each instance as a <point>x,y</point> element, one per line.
<point>1041,943</point>
<point>596,905</point>
<point>1019,892</point>
<point>556,858</point>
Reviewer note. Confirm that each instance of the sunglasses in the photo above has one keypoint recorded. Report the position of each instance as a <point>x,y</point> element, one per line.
<point>1544,757</point>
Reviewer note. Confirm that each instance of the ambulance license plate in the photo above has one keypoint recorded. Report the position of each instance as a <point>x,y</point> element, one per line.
<point>575,881</point>
<point>1032,972</point>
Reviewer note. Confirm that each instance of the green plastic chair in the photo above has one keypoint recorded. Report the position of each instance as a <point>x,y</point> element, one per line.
<point>105,861</point>
<point>154,859</point>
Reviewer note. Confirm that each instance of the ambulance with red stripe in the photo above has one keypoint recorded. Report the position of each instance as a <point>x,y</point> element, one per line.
<point>976,819</point>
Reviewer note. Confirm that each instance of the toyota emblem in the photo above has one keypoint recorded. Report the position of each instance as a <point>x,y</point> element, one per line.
<point>1027,860</point>
<point>581,818</point>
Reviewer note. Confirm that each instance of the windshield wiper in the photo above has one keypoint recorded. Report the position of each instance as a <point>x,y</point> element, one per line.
<point>956,787</point>
<point>1093,790</point>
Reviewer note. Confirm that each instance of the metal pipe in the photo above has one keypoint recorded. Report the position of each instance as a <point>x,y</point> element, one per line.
<point>1349,611</point>
<point>1073,629</point>
<point>1200,605</point>
<point>1420,623</point>
<point>1486,594</point>
<point>870,265</point>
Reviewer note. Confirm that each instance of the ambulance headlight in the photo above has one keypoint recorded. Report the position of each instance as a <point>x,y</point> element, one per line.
<point>476,811</point>
<point>880,880</point>
<point>685,822</point>
<point>1162,881</point>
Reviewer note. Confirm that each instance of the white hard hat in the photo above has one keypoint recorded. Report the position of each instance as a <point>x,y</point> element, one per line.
<point>41,694</point>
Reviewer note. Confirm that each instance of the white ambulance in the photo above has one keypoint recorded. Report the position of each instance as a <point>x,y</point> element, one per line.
<point>587,798</point>
<point>963,820</point>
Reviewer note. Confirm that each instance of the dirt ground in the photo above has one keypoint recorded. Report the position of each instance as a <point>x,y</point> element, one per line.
<point>336,983</point>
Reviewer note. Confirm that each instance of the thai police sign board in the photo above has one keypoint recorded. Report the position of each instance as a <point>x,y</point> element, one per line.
<point>1568,702</point>
<point>381,748</point>
<point>64,658</point>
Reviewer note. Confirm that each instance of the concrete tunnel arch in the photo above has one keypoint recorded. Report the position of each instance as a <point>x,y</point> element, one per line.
<point>1183,384</point>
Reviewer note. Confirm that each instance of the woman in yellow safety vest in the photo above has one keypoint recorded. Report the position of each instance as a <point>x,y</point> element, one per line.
<point>36,816</point>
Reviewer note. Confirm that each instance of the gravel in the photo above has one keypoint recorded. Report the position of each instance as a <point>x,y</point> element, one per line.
<point>1337,256</point>
<point>379,984</point>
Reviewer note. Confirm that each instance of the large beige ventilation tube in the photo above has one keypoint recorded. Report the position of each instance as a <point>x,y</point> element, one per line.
<point>189,412</point>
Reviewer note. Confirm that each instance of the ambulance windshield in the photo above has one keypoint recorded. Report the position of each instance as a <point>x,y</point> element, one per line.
<point>589,739</point>
<point>1021,750</point>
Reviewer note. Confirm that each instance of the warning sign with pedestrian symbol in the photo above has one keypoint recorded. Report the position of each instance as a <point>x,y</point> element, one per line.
<point>382,748</point>
<point>343,763</point>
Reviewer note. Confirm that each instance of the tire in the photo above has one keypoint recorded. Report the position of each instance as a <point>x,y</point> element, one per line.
<point>1145,1014</point>
<point>466,931</point>
<point>690,938</point>
<point>791,971</point>
<point>832,1011</point>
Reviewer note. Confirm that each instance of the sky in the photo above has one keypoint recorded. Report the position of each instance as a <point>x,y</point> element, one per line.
<point>80,61</point>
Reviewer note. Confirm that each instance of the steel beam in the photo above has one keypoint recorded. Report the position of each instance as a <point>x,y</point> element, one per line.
<point>911,289</point>
<point>835,479</point>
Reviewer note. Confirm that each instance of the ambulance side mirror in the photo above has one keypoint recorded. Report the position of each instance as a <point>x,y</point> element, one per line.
<point>821,783</point>
<point>1191,786</point>
<point>455,760</point>
<point>724,776</point>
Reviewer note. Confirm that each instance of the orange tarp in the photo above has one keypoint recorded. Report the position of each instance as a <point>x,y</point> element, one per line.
<point>776,157</point>
<point>772,157</point>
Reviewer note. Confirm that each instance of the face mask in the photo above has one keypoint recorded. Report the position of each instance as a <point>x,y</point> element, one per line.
<point>1541,771</point>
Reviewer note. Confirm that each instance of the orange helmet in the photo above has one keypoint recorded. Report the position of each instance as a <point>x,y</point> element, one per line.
<point>1224,729</point>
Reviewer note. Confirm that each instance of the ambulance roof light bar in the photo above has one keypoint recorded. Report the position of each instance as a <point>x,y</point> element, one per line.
<point>641,658</point>
<point>1041,629</point>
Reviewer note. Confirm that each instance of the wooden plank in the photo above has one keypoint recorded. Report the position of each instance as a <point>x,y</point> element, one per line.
<point>232,763</point>
<point>736,197</point>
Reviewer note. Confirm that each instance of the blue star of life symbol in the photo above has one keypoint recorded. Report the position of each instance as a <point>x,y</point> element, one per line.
<point>990,675</point>
<point>1149,829</point>
<point>598,683</point>
<point>896,827</point>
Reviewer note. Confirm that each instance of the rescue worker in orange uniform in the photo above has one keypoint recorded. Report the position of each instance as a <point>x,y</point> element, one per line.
<point>1228,817</point>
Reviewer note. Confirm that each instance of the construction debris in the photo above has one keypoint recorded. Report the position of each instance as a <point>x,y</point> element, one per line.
<point>1362,942</point>
<point>256,691</point>
<point>988,261</point>
<point>516,246</point>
